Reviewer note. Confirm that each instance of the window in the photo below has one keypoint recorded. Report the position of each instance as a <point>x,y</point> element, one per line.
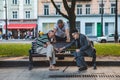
<point>14,1</point>
<point>87,9</point>
<point>89,30</point>
<point>111,35</point>
<point>27,1</point>
<point>14,14</point>
<point>79,9</point>
<point>46,9</point>
<point>106,28</point>
<point>109,28</point>
<point>57,13</point>
<point>113,8</point>
<point>27,14</point>
<point>47,27</point>
<point>78,25</point>
<point>101,9</point>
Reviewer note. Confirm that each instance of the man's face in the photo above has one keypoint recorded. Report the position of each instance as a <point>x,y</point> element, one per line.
<point>51,34</point>
<point>75,35</point>
<point>60,25</point>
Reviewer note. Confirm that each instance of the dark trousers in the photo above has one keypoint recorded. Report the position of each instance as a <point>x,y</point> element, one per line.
<point>79,56</point>
<point>60,39</point>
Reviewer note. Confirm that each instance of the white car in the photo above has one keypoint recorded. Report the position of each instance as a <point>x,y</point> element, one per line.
<point>109,38</point>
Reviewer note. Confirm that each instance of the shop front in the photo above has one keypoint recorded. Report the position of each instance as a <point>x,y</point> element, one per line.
<point>20,31</point>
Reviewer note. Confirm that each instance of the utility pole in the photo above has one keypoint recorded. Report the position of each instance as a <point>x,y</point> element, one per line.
<point>116,22</point>
<point>102,5</point>
<point>6,37</point>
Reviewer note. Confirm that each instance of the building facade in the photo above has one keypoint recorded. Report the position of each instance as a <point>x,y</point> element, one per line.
<point>88,16</point>
<point>21,17</point>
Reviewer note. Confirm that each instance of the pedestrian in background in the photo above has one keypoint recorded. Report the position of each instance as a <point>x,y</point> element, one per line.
<point>0,35</point>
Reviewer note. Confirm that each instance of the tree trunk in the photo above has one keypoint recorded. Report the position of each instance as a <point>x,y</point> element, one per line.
<point>72,22</point>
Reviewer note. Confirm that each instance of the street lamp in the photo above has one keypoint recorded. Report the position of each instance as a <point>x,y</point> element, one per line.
<point>116,22</point>
<point>6,37</point>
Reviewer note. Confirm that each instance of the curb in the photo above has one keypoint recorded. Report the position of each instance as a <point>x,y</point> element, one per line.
<point>59,63</point>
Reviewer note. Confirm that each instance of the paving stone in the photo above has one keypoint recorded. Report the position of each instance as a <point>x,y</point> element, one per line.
<point>22,73</point>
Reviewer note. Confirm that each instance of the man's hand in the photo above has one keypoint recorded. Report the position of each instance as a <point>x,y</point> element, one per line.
<point>77,50</point>
<point>61,49</point>
<point>56,49</point>
<point>68,40</point>
<point>45,45</point>
<point>48,43</point>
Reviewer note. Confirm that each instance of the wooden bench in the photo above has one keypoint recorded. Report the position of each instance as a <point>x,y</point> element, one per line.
<point>33,53</point>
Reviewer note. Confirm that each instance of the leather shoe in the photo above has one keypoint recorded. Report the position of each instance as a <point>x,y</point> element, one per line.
<point>82,68</point>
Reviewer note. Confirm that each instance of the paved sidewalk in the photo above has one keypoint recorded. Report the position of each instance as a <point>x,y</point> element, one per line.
<point>22,73</point>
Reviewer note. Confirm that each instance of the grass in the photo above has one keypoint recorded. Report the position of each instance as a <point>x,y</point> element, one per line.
<point>17,49</point>
<point>14,49</point>
<point>108,49</point>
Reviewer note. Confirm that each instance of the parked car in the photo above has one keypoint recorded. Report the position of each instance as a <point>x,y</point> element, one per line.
<point>92,38</point>
<point>108,38</point>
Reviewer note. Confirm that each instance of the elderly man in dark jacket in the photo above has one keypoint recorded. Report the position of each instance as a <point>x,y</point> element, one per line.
<point>83,47</point>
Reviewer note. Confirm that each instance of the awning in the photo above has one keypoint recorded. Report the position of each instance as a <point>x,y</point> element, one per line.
<point>20,26</point>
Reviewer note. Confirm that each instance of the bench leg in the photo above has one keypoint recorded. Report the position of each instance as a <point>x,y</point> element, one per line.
<point>94,61</point>
<point>30,60</point>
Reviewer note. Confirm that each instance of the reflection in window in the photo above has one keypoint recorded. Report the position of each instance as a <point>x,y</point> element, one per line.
<point>111,35</point>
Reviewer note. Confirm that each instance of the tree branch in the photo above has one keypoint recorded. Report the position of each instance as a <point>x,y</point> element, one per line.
<point>59,10</point>
<point>67,8</point>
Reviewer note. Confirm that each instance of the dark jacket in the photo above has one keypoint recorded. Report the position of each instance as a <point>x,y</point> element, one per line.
<point>85,45</point>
